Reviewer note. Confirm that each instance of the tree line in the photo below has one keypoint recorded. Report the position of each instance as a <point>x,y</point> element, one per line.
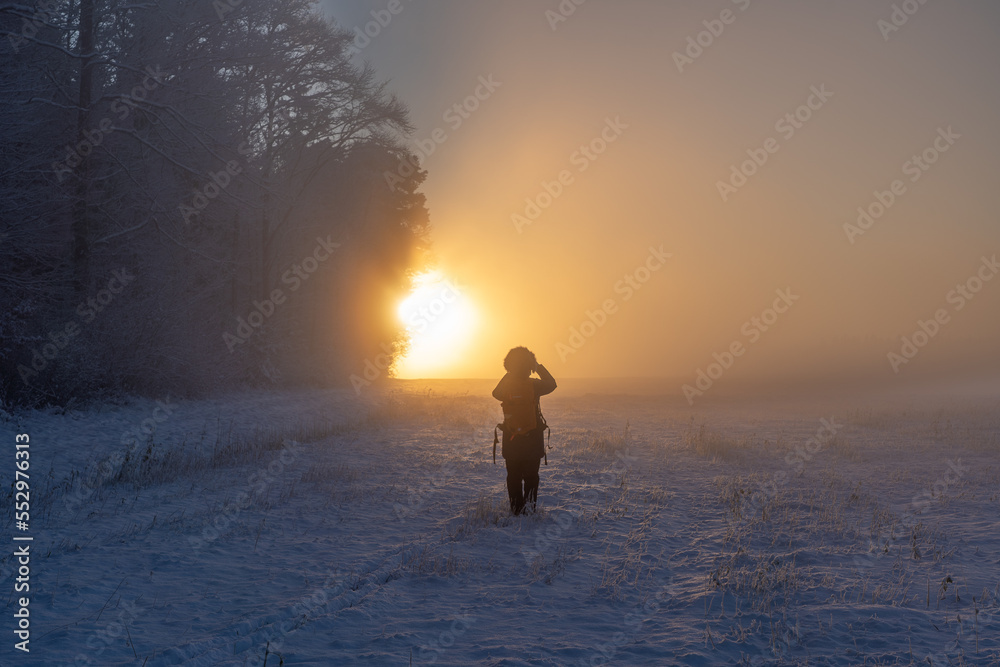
<point>193,199</point>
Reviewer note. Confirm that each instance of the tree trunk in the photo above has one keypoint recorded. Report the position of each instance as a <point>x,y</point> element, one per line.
<point>265,266</point>
<point>81,212</point>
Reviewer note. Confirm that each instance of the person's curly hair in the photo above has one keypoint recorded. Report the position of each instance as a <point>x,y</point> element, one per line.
<point>520,359</point>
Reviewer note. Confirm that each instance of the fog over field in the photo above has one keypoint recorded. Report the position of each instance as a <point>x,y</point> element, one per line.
<point>749,164</point>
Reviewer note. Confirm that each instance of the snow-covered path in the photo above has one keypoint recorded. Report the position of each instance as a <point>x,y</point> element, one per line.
<point>316,528</point>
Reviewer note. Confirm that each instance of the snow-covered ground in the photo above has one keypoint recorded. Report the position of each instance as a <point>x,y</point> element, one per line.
<point>319,528</point>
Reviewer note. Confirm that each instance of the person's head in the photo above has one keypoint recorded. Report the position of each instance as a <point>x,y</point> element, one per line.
<point>520,361</point>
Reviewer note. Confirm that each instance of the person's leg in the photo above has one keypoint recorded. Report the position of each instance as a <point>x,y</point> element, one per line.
<point>531,482</point>
<point>515,475</point>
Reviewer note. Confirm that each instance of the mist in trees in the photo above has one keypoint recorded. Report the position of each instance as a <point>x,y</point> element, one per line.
<point>194,199</point>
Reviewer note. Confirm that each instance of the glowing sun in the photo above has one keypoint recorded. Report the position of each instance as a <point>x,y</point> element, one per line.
<point>440,322</point>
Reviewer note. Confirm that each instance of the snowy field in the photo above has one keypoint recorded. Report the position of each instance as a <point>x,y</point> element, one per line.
<point>320,528</point>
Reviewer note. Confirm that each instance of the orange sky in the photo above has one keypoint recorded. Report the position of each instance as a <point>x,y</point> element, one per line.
<point>661,141</point>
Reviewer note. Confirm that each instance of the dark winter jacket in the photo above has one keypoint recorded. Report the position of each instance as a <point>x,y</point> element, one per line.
<point>530,445</point>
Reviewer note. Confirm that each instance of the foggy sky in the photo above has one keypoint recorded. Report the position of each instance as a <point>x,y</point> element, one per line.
<point>879,98</point>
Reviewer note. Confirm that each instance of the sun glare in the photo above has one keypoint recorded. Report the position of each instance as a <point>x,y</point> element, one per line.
<point>440,322</point>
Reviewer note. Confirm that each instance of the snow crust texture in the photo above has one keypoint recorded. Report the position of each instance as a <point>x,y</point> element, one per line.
<point>321,528</point>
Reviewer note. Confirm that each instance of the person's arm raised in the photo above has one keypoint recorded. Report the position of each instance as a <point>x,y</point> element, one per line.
<point>547,384</point>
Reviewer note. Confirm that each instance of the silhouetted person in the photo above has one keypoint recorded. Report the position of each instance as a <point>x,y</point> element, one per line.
<point>523,427</point>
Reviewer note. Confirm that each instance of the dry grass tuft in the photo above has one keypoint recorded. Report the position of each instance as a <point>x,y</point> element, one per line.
<point>718,447</point>
<point>484,511</point>
<point>442,410</point>
<point>428,562</point>
<point>609,442</point>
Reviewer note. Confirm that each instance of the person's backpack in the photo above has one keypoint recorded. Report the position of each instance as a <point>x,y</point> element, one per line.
<point>520,413</point>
